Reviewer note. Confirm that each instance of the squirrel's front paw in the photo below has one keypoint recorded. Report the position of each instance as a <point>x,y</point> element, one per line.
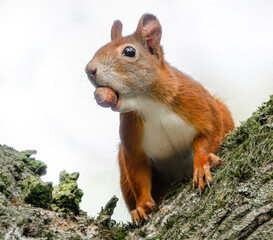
<point>140,213</point>
<point>204,170</point>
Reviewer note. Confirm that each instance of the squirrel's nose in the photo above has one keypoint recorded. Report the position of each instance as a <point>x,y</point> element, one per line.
<point>91,71</point>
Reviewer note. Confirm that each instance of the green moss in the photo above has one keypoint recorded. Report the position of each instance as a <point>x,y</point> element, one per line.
<point>142,233</point>
<point>2,186</point>
<point>170,222</point>
<point>268,177</point>
<point>105,214</point>
<point>2,211</point>
<point>7,193</point>
<point>5,184</point>
<point>108,228</point>
<point>252,143</point>
<point>19,168</point>
<point>36,166</point>
<point>37,193</point>
<point>173,191</point>
<point>6,181</point>
<point>24,160</point>
<point>66,196</point>
<point>89,220</point>
<point>67,178</point>
<point>7,151</point>
<point>120,231</point>
<point>48,235</point>
<point>29,153</point>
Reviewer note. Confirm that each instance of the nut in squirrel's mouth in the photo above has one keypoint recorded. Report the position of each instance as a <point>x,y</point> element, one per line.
<point>115,91</point>
<point>119,98</point>
<point>107,97</point>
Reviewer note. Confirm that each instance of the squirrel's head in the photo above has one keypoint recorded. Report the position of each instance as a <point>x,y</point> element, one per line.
<point>132,66</point>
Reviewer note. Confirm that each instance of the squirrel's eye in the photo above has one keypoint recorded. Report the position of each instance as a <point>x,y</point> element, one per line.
<point>129,52</point>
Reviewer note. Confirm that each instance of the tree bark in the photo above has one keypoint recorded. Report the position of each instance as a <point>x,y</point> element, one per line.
<point>239,204</point>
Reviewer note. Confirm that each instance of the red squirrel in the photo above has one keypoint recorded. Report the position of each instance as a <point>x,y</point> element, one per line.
<point>170,125</point>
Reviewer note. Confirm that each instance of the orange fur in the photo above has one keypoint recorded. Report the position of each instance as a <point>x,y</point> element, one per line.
<point>148,74</point>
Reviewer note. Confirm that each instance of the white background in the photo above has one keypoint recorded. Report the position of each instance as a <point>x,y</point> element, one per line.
<point>46,101</point>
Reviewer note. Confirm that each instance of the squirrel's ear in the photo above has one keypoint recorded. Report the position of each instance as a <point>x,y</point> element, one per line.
<point>116,31</point>
<point>150,30</point>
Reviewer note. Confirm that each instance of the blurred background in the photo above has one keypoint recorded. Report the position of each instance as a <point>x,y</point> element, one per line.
<point>46,100</point>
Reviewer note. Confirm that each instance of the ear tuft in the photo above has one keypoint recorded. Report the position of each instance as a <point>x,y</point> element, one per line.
<point>148,18</point>
<point>150,30</point>
<point>116,31</point>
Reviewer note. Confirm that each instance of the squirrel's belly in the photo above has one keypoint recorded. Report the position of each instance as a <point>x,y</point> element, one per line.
<point>168,142</point>
<point>167,138</point>
<point>176,167</point>
<point>166,134</point>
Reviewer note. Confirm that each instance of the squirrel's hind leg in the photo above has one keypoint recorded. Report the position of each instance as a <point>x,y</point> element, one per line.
<point>136,186</point>
<point>126,187</point>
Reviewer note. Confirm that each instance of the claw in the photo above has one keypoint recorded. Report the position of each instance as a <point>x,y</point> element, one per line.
<point>195,177</point>
<point>194,184</point>
<point>208,183</point>
<point>203,169</point>
<point>151,206</point>
<point>208,176</point>
<point>142,213</point>
<point>200,190</point>
<point>213,159</point>
<point>135,217</point>
<point>136,222</point>
<point>221,162</point>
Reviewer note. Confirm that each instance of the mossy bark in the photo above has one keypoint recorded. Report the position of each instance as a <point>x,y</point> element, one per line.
<point>66,196</point>
<point>239,204</point>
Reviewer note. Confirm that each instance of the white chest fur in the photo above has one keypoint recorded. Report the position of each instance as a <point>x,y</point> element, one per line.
<point>165,133</point>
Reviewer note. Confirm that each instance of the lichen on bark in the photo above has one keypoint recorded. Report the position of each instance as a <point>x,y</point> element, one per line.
<point>37,192</point>
<point>66,196</point>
